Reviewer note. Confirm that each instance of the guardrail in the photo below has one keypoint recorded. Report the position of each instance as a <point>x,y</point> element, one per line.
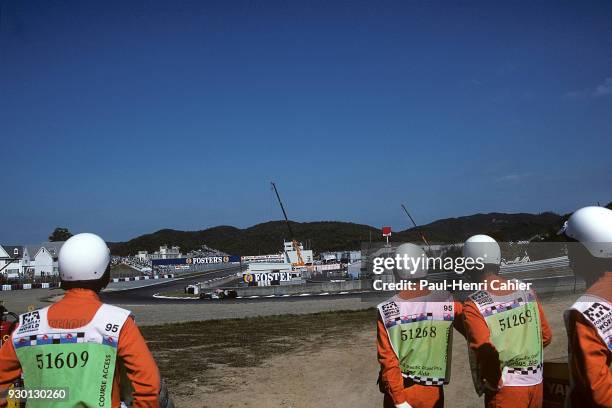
<point>26,286</point>
<point>139,278</point>
<point>547,276</point>
<point>560,262</point>
<point>349,285</point>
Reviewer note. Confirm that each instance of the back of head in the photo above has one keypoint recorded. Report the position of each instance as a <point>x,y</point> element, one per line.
<point>84,262</point>
<point>412,262</point>
<point>486,249</point>
<point>591,230</point>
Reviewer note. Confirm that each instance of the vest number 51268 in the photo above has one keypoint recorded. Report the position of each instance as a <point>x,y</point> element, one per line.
<point>418,333</point>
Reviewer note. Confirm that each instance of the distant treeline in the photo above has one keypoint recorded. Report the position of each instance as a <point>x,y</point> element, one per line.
<point>268,237</point>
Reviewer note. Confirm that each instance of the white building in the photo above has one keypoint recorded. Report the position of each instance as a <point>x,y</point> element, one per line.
<point>166,253</point>
<point>30,260</point>
<point>41,260</point>
<point>344,256</point>
<point>11,260</point>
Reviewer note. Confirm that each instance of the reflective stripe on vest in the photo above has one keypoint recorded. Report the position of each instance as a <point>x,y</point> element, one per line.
<point>598,312</point>
<point>516,332</point>
<point>81,360</point>
<point>420,332</point>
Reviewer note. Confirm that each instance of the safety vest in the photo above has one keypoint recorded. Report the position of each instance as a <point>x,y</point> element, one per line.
<point>80,361</point>
<point>516,332</point>
<point>420,332</point>
<point>598,312</point>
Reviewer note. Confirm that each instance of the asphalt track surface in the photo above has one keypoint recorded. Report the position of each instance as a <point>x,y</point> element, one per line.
<point>144,295</point>
<point>149,310</point>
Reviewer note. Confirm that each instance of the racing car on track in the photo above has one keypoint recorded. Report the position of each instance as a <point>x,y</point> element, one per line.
<point>219,294</point>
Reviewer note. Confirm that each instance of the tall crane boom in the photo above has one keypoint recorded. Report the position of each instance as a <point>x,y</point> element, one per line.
<point>283,209</point>
<point>415,225</point>
<point>296,245</point>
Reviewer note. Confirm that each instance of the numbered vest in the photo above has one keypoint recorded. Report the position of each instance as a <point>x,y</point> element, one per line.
<point>516,332</point>
<point>420,331</point>
<point>80,361</point>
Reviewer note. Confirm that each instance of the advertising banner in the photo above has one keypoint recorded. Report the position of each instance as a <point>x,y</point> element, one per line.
<point>197,260</point>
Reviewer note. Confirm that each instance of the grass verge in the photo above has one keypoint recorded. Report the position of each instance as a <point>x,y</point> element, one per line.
<point>188,352</point>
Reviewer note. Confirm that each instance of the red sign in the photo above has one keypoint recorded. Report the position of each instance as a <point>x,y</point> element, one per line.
<point>386,231</point>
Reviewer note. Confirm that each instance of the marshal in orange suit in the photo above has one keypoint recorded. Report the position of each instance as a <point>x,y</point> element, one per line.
<point>589,320</point>
<point>506,331</point>
<point>415,330</point>
<point>84,270</point>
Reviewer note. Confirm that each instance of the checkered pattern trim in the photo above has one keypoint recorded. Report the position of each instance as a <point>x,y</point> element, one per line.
<point>51,338</point>
<point>504,307</point>
<point>427,380</point>
<point>419,317</point>
<point>525,370</point>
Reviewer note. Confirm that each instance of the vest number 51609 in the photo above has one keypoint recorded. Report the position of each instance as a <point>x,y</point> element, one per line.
<point>71,360</point>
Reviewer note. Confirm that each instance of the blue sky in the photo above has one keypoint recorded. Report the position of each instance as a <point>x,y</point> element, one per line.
<point>122,118</point>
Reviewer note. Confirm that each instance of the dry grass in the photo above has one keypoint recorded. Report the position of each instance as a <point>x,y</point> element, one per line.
<point>187,352</point>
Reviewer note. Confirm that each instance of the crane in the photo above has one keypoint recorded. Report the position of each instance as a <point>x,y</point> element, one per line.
<point>294,243</point>
<point>416,226</point>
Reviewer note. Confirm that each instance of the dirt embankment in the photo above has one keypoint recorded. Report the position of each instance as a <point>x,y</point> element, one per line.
<point>315,360</point>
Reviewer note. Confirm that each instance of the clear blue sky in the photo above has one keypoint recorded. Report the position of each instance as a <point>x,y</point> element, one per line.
<point>122,118</point>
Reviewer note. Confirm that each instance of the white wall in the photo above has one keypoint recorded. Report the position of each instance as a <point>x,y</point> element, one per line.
<point>43,263</point>
<point>306,256</point>
<point>12,270</point>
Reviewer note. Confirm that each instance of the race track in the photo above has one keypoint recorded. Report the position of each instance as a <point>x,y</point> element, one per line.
<point>144,294</point>
<point>149,310</point>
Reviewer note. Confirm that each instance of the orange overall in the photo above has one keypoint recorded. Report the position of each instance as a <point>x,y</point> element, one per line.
<point>76,309</point>
<point>479,339</point>
<point>590,357</point>
<point>392,381</point>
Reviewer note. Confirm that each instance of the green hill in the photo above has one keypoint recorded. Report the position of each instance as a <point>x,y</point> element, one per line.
<point>329,236</point>
<point>263,238</point>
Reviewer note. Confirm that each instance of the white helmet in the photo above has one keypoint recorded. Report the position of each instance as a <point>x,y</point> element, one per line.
<point>482,246</point>
<point>592,226</point>
<point>415,252</point>
<point>83,257</point>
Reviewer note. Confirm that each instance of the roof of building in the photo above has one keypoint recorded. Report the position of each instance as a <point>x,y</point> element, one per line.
<point>32,250</point>
<point>53,247</point>
<point>14,251</point>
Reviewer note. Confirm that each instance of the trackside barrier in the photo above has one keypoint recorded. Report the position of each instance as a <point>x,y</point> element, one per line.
<point>552,263</point>
<point>26,286</point>
<point>138,278</point>
<point>322,287</point>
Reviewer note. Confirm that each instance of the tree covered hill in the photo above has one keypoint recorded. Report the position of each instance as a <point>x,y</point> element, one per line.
<point>320,236</point>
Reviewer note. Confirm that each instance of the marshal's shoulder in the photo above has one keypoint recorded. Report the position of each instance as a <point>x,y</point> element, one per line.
<point>115,311</point>
<point>481,298</point>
